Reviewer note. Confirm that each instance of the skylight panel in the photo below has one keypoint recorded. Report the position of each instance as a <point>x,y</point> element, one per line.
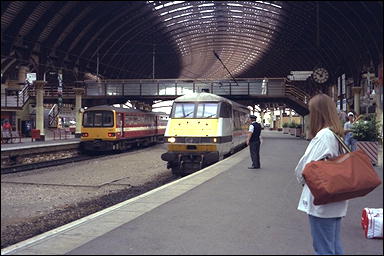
<point>183,21</point>
<point>173,2</point>
<point>180,9</point>
<point>274,5</point>
<point>202,5</point>
<point>232,4</point>
<point>159,7</point>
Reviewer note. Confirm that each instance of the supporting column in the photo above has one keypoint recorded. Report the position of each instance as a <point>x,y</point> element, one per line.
<point>39,88</point>
<point>79,113</point>
<point>306,121</point>
<point>262,118</point>
<point>22,76</point>
<point>281,118</point>
<point>356,99</point>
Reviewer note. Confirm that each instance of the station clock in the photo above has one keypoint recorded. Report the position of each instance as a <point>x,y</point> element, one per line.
<point>320,75</point>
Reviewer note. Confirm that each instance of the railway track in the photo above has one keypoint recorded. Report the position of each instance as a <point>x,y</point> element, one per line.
<point>25,159</point>
<point>35,202</point>
<point>37,165</point>
<point>37,156</point>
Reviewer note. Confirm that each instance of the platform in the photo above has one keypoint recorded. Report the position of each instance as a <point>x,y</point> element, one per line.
<point>223,209</point>
<point>28,143</point>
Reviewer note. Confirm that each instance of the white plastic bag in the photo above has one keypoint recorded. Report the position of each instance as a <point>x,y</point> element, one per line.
<point>372,222</point>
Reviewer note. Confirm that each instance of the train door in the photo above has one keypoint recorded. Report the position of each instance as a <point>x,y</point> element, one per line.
<point>156,124</point>
<point>120,123</point>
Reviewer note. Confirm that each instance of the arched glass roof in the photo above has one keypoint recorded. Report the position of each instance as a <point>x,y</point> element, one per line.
<point>238,31</point>
<point>178,39</point>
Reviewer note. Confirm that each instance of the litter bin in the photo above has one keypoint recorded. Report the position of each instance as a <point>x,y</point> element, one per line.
<point>35,134</point>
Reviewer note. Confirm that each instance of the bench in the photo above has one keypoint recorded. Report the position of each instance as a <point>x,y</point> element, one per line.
<point>10,137</point>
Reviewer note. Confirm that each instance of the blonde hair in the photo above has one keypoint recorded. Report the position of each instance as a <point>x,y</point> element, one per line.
<point>322,114</point>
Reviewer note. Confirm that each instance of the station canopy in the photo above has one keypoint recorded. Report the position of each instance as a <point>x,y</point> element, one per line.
<point>189,39</point>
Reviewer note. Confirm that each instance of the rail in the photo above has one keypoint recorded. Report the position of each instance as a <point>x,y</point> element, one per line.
<point>17,99</point>
<point>300,95</point>
<point>178,87</point>
<point>52,116</point>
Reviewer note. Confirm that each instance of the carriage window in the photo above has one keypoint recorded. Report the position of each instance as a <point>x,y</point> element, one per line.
<point>207,110</point>
<point>182,110</point>
<point>98,119</point>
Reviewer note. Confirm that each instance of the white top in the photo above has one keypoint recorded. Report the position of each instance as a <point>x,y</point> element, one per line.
<point>324,144</point>
<point>251,127</point>
<point>348,126</point>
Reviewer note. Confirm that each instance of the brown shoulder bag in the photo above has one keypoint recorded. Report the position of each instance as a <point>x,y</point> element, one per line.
<point>347,176</point>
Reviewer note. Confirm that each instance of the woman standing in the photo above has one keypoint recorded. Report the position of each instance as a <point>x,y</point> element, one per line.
<point>324,220</point>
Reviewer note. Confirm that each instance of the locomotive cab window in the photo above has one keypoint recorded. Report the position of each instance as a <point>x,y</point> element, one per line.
<point>207,110</point>
<point>182,110</point>
<point>98,119</point>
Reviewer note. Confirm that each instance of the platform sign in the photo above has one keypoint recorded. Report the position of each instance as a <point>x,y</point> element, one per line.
<point>31,77</point>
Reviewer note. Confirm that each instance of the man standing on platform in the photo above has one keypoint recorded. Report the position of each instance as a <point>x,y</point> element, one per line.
<point>253,140</point>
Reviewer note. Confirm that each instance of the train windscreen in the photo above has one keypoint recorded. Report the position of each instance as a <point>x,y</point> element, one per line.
<point>98,119</point>
<point>192,110</point>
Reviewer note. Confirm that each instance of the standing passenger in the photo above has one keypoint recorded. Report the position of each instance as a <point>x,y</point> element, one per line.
<point>348,138</point>
<point>7,127</point>
<point>253,140</point>
<point>325,219</point>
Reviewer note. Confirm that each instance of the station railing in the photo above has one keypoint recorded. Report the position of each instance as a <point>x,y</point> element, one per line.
<point>276,87</point>
<point>178,87</point>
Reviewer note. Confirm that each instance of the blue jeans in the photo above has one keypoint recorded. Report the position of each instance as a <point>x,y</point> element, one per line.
<point>350,141</point>
<point>326,235</point>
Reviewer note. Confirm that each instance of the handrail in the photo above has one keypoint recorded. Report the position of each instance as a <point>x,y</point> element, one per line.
<point>297,93</point>
<point>52,121</point>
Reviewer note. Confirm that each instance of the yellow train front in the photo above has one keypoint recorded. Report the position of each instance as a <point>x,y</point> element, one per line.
<point>108,128</point>
<point>201,130</point>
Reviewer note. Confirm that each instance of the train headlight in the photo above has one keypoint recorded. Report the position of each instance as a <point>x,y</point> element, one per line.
<point>84,134</point>
<point>172,140</point>
<point>111,134</point>
<point>214,140</point>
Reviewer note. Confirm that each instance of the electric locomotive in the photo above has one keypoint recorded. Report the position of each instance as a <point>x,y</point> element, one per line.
<point>108,128</point>
<point>202,129</point>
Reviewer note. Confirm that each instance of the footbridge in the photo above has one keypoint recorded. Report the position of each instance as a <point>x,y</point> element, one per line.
<point>265,91</point>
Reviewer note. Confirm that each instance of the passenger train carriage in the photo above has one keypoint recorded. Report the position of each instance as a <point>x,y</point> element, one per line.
<point>202,129</point>
<point>107,128</point>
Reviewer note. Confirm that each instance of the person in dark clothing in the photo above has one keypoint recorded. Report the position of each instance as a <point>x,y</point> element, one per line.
<point>253,140</point>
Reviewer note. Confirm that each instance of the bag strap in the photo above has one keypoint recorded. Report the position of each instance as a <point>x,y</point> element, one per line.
<point>341,141</point>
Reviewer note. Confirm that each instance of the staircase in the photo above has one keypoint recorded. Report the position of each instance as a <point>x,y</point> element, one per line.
<point>297,99</point>
<point>52,116</point>
<point>66,112</point>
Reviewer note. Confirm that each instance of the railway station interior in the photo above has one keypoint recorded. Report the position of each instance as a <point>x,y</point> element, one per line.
<point>59,58</point>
